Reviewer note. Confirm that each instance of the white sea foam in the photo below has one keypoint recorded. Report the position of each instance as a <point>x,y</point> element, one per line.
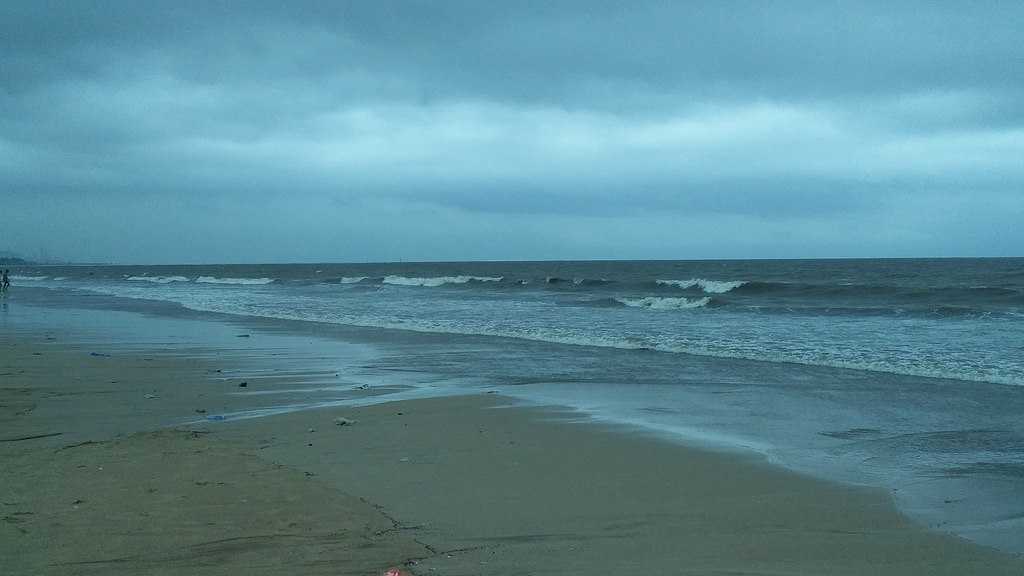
<point>438,280</point>
<point>353,279</point>
<point>656,303</point>
<point>28,278</point>
<point>709,286</point>
<point>241,281</point>
<point>158,279</point>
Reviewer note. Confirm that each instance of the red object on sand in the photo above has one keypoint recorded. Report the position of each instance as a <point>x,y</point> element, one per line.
<point>394,572</point>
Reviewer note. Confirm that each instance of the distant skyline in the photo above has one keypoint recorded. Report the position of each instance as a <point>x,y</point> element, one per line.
<point>225,132</point>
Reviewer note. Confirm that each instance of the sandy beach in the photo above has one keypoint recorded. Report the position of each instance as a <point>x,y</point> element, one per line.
<point>94,482</point>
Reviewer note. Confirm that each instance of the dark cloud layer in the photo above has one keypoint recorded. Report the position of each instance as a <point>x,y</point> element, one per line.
<point>386,130</point>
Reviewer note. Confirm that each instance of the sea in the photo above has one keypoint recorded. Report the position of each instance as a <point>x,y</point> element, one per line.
<point>906,375</point>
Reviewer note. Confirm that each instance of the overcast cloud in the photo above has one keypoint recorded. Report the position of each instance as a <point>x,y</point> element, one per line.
<point>366,131</point>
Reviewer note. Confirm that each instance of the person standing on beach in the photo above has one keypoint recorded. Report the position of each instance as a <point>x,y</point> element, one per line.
<point>6,282</point>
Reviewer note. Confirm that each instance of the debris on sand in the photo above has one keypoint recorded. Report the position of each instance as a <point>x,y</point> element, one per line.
<point>342,421</point>
<point>31,437</point>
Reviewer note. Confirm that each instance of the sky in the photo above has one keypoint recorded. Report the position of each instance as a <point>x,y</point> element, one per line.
<point>167,132</point>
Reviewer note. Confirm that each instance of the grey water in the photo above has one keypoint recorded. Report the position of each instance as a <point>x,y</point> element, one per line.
<point>907,375</point>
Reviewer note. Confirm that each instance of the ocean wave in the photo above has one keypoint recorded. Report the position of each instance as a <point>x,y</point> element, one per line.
<point>591,281</point>
<point>904,293</point>
<point>708,286</point>
<point>438,280</point>
<point>944,312</point>
<point>576,282</point>
<point>28,278</point>
<point>157,279</point>
<point>912,366</point>
<point>352,279</point>
<point>239,281</point>
<point>657,303</point>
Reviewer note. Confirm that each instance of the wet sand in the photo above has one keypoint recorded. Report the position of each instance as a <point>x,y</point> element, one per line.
<point>84,493</point>
<point>95,482</point>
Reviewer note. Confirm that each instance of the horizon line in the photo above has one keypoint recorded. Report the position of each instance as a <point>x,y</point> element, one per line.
<point>510,261</point>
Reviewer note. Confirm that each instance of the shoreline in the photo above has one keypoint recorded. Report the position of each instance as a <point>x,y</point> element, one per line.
<point>458,485</point>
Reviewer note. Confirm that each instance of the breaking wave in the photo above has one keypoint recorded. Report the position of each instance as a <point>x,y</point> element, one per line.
<point>352,279</point>
<point>28,278</point>
<point>585,282</point>
<point>591,281</point>
<point>438,280</point>
<point>158,279</point>
<point>707,286</point>
<point>657,303</point>
<point>240,281</point>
